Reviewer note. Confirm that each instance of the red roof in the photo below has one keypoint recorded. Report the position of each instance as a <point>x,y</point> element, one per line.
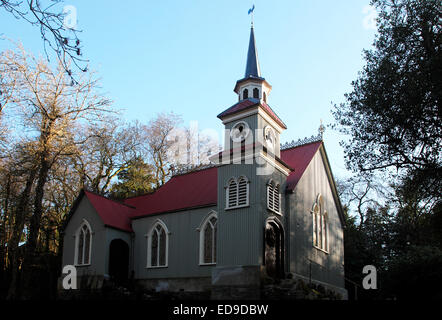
<point>112,213</point>
<point>195,189</point>
<point>248,103</point>
<point>186,191</point>
<point>299,158</point>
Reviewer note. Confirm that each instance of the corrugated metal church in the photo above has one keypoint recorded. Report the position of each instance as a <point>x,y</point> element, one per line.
<point>259,211</point>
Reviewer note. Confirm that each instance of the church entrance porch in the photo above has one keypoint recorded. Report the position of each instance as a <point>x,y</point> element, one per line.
<point>274,249</point>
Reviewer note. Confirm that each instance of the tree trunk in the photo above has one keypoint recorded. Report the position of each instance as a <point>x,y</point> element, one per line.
<point>20,216</point>
<point>34,227</point>
<point>3,235</point>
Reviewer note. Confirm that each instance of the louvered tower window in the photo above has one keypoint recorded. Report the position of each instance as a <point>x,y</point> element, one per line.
<point>237,193</point>
<point>273,197</point>
<point>232,194</point>
<point>243,194</point>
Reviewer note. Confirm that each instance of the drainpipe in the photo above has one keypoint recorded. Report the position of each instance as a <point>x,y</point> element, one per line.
<point>131,257</point>
<point>287,232</point>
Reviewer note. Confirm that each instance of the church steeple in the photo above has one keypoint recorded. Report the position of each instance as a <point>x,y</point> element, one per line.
<point>252,86</point>
<point>252,66</point>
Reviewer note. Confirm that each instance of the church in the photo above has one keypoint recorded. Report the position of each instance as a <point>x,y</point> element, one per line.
<point>261,210</point>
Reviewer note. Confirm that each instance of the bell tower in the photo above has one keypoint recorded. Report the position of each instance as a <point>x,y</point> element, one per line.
<point>248,165</point>
<point>252,112</point>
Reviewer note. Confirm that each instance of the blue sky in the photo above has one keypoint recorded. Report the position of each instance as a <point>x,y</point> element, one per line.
<point>185,57</point>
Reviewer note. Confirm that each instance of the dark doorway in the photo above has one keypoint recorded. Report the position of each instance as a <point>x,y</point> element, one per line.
<point>274,250</point>
<point>118,260</point>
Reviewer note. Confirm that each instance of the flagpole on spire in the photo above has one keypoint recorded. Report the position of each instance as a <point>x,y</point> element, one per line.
<point>251,12</point>
<point>321,130</point>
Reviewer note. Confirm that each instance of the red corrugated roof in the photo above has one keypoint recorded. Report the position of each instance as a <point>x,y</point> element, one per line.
<point>242,105</point>
<point>191,190</point>
<point>195,189</point>
<point>112,213</point>
<point>273,114</point>
<point>248,103</point>
<point>299,158</point>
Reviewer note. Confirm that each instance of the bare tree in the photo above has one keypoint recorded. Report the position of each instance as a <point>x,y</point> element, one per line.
<point>56,34</point>
<point>109,149</point>
<point>157,136</point>
<point>51,109</point>
<point>361,192</point>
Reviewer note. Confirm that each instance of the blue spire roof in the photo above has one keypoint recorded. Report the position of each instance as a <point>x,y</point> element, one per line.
<point>252,66</point>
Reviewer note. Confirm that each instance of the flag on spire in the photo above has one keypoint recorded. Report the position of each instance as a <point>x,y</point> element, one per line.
<point>251,10</point>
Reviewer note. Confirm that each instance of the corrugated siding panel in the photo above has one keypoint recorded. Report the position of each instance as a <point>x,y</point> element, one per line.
<point>325,267</point>
<point>85,210</point>
<point>183,256</point>
<point>238,234</point>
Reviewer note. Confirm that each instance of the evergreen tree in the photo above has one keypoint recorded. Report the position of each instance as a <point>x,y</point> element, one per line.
<point>393,114</point>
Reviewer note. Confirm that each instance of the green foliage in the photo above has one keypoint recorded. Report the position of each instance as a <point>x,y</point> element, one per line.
<point>393,119</point>
<point>405,247</point>
<point>415,274</point>
<point>393,114</point>
<point>137,179</point>
<point>365,244</point>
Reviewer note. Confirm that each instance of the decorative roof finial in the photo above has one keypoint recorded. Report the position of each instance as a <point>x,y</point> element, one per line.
<point>321,130</point>
<point>251,12</point>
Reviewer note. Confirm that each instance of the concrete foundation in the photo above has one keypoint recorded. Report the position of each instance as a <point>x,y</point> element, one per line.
<point>176,284</point>
<point>236,282</point>
<point>338,290</point>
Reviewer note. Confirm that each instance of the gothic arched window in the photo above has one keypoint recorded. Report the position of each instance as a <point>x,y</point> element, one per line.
<point>320,225</point>
<point>256,93</point>
<point>208,233</point>
<point>83,244</point>
<point>157,245</point>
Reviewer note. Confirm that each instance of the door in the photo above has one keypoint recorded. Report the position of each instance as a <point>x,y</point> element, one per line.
<point>274,250</point>
<point>118,260</point>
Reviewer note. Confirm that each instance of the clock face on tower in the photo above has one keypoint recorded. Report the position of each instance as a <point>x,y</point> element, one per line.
<point>269,138</point>
<point>239,132</point>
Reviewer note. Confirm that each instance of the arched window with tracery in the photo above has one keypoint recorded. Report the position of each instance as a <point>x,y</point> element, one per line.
<point>208,232</point>
<point>320,225</point>
<point>157,244</point>
<point>83,244</point>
